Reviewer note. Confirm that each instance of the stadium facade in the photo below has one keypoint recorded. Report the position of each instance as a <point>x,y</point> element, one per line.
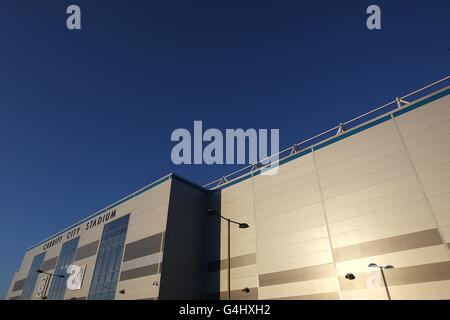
<point>378,192</point>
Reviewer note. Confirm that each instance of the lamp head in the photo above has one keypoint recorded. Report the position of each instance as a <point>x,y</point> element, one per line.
<point>243,225</point>
<point>350,276</point>
<point>211,212</point>
<point>373,265</point>
<point>389,267</point>
<point>40,271</point>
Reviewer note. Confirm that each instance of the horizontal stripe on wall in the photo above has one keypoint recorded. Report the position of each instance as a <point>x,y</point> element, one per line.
<point>239,261</point>
<point>49,264</point>
<point>387,245</point>
<point>399,276</point>
<point>235,295</point>
<point>317,296</point>
<point>87,250</point>
<point>297,275</point>
<point>163,239</point>
<point>142,261</point>
<point>139,272</point>
<point>18,285</point>
<point>14,298</point>
<point>143,247</point>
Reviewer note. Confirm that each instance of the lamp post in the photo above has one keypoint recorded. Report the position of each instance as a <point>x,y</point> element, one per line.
<point>229,222</point>
<point>382,268</point>
<point>44,295</point>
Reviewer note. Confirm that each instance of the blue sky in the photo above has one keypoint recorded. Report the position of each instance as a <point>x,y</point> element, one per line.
<point>86,116</point>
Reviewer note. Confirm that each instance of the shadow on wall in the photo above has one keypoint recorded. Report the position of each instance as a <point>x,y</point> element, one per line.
<point>192,241</point>
<point>212,247</point>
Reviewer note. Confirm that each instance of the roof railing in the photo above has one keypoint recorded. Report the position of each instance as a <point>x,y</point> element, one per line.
<point>391,106</point>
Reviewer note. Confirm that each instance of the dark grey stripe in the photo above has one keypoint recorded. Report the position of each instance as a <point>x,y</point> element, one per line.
<point>78,298</point>
<point>240,295</point>
<point>317,296</point>
<point>387,245</point>
<point>163,240</point>
<point>87,250</point>
<point>143,247</point>
<point>239,261</point>
<point>407,275</point>
<point>18,285</point>
<point>14,298</point>
<point>297,275</point>
<point>49,264</point>
<point>139,272</point>
<point>235,295</point>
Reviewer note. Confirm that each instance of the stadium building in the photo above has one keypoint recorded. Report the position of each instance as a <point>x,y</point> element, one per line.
<point>373,191</point>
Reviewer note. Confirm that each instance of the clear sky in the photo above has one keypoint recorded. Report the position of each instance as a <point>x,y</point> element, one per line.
<point>86,116</point>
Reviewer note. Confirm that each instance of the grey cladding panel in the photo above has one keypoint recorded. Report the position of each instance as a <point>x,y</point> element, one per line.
<point>139,272</point>
<point>297,275</point>
<point>143,247</point>
<point>49,264</point>
<point>87,250</point>
<point>387,245</point>
<point>18,285</point>
<point>239,261</point>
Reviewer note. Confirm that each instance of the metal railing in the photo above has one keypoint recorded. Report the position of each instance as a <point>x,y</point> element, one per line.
<point>398,103</point>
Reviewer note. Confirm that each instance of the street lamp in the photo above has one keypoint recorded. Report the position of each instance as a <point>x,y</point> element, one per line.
<point>382,268</point>
<point>212,212</point>
<point>44,296</point>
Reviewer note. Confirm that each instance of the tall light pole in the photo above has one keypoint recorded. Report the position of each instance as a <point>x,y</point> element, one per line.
<point>382,268</point>
<point>44,295</point>
<point>229,222</point>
